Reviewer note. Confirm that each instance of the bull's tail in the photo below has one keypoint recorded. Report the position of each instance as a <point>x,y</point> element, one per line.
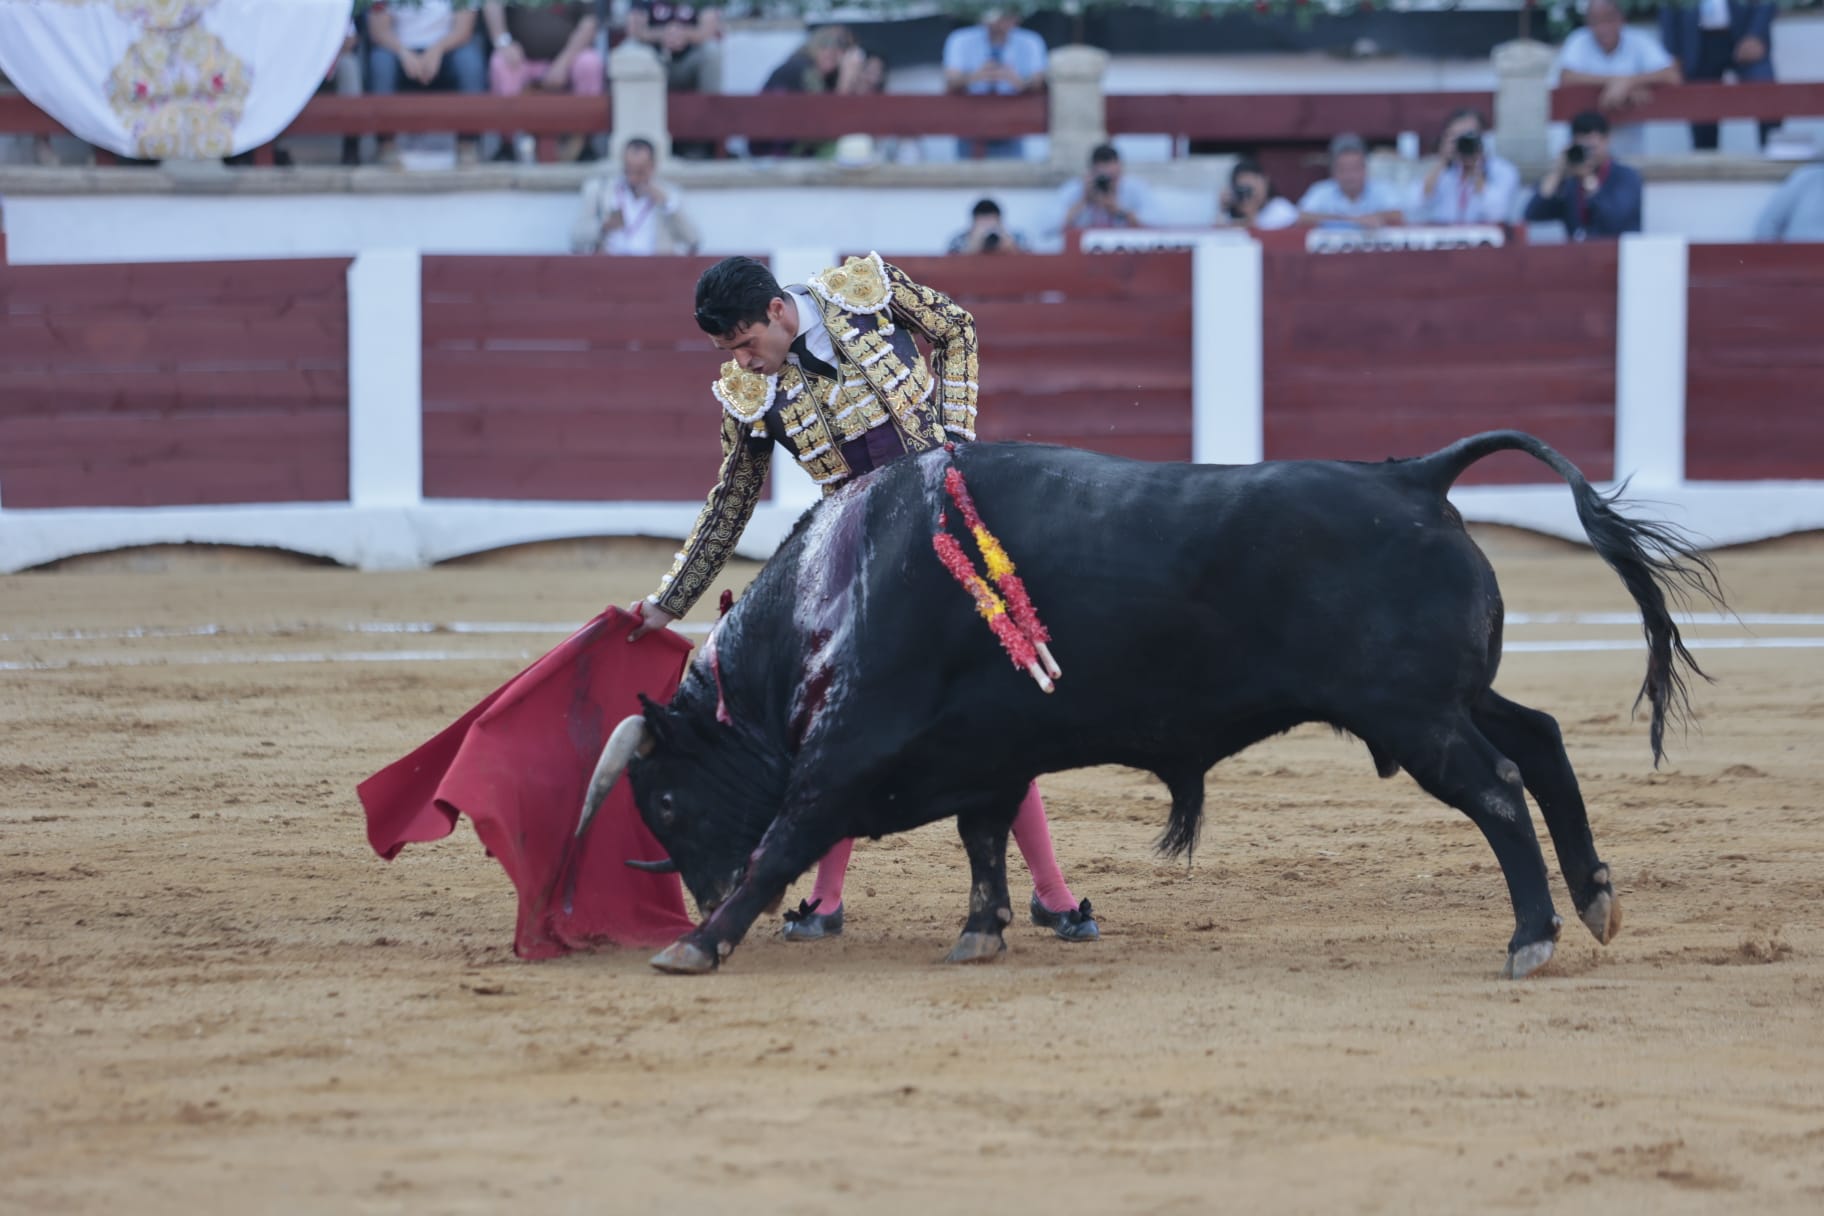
<point>1655,560</point>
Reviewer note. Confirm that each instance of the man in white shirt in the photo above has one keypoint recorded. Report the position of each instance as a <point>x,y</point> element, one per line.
<point>1625,62</point>
<point>994,57</point>
<point>426,45</point>
<point>1469,184</point>
<point>1347,199</point>
<point>633,214</point>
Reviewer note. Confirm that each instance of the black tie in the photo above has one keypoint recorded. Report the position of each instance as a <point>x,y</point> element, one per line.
<point>811,363</point>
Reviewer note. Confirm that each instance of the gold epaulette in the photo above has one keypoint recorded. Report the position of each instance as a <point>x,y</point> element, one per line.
<point>858,285</point>
<point>745,395</point>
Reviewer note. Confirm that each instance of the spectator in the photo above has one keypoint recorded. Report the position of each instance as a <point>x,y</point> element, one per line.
<point>1714,37</point>
<point>873,77</point>
<point>1347,199</point>
<point>687,39</point>
<point>1104,197</point>
<point>1796,210</point>
<point>426,45</point>
<point>828,62</point>
<point>1625,62</point>
<point>633,214</point>
<point>987,233</point>
<point>549,46</point>
<point>1588,191</point>
<point>996,57</point>
<point>1469,184</point>
<point>1252,202</point>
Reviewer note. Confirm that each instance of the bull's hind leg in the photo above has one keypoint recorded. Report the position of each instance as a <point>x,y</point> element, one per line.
<point>990,908</point>
<point>1532,740</point>
<point>1456,764</point>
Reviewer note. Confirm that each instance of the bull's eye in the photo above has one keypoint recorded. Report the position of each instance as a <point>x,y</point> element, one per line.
<point>665,805</point>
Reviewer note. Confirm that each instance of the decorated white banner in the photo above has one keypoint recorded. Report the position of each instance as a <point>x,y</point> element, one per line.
<point>171,79</point>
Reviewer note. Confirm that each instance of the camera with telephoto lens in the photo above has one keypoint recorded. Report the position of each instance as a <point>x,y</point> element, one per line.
<point>991,242</point>
<point>1574,155</point>
<point>1469,146</point>
<point>1104,183</point>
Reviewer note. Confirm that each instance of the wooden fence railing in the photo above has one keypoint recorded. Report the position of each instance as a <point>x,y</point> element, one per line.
<point>1278,124</point>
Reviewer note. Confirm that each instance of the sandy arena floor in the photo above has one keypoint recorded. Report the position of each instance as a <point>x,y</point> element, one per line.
<point>214,997</point>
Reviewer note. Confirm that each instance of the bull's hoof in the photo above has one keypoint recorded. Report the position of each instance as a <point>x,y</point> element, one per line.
<point>684,958</point>
<point>1602,915</point>
<point>977,948</point>
<point>1527,959</point>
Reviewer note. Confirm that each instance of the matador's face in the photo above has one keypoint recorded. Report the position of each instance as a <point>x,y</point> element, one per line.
<point>762,348</point>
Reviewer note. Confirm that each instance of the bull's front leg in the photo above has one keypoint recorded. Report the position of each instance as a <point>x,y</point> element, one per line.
<point>787,850</point>
<point>990,908</point>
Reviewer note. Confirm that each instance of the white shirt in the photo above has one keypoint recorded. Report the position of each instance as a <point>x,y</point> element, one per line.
<point>1327,198</point>
<point>810,324</point>
<point>1635,54</point>
<point>423,24</point>
<point>1452,202</point>
<point>1279,213</point>
<point>967,51</point>
<point>638,234</point>
<point>1713,15</point>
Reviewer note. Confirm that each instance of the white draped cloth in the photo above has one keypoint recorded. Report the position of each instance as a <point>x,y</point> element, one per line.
<point>171,79</point>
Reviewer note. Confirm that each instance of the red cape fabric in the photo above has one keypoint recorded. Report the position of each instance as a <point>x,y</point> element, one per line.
<point>518,765</point>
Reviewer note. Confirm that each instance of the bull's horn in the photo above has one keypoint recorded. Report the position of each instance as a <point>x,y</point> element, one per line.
<point>667,866</point>
<point>630,738</point>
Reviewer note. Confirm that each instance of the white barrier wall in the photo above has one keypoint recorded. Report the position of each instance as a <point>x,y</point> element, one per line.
<point>88,227</point>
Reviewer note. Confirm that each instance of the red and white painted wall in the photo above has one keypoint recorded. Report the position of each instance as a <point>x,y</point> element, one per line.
<point>395,410</point>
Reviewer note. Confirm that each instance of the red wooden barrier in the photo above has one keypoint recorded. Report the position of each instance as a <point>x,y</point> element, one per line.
<point>811,116</point>
<point>1287,132</point>
<point>166,384</point>
<point>1091,350</point>
<point>1700,101</point>
<point>567,378</point>
<point>1287,117</point>
<point>1395,354</point>
<point>544,116</point>
<point>1754,359</point>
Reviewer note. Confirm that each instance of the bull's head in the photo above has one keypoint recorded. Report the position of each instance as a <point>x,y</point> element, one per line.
<point>708,791</point>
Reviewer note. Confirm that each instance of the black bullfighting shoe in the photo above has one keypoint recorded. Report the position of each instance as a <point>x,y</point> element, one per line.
<point>1076,924</point>
<point>805,924</point>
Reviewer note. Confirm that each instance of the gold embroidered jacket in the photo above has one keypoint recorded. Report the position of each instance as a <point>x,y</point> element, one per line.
<point>833,427</point>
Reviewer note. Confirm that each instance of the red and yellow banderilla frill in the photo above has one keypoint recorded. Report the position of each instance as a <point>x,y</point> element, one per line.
<point>1009,612</point>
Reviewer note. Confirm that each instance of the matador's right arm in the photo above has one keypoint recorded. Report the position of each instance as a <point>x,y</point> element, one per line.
<point>745,459</point>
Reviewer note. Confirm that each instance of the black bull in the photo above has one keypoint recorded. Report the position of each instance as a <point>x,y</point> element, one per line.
<point>1195,610</point>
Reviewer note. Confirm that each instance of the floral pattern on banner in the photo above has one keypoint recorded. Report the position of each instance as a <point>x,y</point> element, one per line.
<point>171,80</point>
<point>179,92</point>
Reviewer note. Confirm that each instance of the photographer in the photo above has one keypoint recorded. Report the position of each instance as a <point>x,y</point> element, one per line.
<point>1252,202</point>
<point>1591,193</point>
<point>1468,184</point>
<point>1104,197</point>
<point>986,233</point>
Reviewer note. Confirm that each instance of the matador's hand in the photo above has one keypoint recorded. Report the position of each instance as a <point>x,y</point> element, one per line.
<point>651,617</point>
